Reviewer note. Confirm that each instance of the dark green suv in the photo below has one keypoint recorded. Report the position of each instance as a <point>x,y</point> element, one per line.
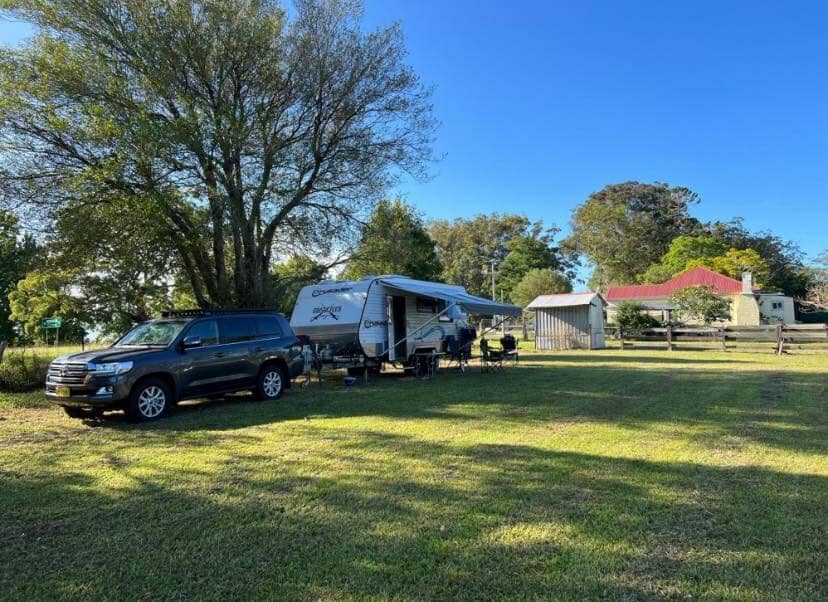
<point>185,354</point>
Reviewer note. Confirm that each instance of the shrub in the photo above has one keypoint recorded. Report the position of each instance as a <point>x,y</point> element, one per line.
<point>700,304</point>
<point>630,316</point>
<point>21,371</point>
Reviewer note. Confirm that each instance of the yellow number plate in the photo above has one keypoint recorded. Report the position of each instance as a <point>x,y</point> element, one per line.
<point>63,392</point>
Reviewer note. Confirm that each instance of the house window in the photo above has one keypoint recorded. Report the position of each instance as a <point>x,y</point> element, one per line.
<point>776,305</point>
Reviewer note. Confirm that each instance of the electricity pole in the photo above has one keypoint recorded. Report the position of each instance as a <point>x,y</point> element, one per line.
<point>492,263</point>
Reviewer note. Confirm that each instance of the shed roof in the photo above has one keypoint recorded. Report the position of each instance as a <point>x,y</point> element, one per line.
<point>698,276</point>
<point>563,300</point>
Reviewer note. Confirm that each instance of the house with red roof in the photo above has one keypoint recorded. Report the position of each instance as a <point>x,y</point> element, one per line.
<point>750,306</point>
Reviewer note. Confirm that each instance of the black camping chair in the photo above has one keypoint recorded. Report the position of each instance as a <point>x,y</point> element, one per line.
<point>490,359</point>
<point>509,346</point>
<point>454,352</point>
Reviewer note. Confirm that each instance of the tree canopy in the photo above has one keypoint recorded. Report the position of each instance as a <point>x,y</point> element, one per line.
<point>394,241</point>
<point>625,228</point>
<point>18,254</point>
<point>245,128</point>
<point>291,276</point>
<point>47,293</point>
<point>687,252</point>
<point>464,246</point>
<point>539,281</point>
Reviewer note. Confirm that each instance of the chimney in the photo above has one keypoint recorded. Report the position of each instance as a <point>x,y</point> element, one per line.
<point>747,283</point>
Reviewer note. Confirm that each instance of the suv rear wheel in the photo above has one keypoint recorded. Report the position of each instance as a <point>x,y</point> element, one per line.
<point>150,399</point>
<point>271,383</point>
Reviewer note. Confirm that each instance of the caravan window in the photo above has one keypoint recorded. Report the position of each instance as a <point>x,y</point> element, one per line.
<point>444,317</point>
<point>426,305</point>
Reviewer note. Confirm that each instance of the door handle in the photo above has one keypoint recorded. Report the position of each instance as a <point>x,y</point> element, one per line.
<point>219,354</point>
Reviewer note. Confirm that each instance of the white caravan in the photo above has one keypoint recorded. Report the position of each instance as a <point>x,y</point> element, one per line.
<point>386,318</point>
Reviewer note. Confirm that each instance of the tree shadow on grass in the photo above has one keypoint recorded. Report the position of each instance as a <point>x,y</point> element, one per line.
<point>384,516</point>
<point>712,406</point>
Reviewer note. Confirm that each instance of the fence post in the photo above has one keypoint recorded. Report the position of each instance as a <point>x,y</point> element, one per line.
<point>780,340</point>
<point>723,333</point>
<point>621,335</point>
<point>669,337</point>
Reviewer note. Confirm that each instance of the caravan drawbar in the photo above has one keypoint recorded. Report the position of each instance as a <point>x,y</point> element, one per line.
<point>386,318</point>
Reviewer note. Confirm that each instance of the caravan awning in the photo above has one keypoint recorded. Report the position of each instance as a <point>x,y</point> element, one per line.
<point>453,294</point>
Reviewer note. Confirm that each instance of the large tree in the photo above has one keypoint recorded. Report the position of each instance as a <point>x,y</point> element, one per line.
<point>540,281</point>
<point>625,228</point>
<point>784,258</point>
<point>687,252</point>
<point>122,274</point>
<point>18,254</point>
<point>48,293</point>
<point>250,129</point>
<point>466,247</point>
<point>817,295</point>
<point>533,251</point>
<point>291,276</point>
<point>394,241</point>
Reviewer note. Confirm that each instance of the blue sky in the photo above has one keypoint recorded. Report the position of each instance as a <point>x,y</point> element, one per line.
<point>542,103</point>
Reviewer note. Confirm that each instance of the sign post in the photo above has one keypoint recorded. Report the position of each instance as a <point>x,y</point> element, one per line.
<point>49,323</point>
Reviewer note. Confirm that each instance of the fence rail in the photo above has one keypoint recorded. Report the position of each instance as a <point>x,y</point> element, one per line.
<point>781,335</point>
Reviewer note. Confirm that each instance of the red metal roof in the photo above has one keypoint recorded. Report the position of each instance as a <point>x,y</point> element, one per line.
<point>698,276</point>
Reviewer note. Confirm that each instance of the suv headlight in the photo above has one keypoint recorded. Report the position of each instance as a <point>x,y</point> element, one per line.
<point>112,368</point>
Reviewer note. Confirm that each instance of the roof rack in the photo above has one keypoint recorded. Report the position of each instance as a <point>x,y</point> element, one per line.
<point>195,313</point>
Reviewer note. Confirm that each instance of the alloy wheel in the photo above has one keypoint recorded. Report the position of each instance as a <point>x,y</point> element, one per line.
<point>272,383</point>
<point>152,401</point>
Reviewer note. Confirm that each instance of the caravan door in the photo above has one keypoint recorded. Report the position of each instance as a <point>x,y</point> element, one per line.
<point>396,329</point>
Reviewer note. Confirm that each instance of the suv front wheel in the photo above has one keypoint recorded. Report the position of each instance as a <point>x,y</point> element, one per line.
<point>271,383</point>
<point>150,399</point>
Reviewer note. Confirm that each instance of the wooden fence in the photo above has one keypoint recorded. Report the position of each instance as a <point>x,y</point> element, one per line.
<point>778,335</point>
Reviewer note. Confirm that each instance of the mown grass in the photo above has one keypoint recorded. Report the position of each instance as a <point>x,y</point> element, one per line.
<point>577,476</point>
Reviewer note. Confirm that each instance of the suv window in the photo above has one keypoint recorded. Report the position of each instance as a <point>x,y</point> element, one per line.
<point>207,331</point>
<point>237,330</point>
<point>268,327</point>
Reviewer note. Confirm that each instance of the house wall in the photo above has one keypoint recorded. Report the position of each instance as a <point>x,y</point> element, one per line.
<point>569,327</point>
<point>744,309</point>
<point>777,308</point>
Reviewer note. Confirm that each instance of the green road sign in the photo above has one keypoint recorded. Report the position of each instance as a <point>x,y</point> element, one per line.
<point>51,322</point>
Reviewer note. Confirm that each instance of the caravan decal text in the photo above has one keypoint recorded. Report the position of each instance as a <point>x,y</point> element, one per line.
<point>372,323</point>
<point>324,291</point>
<point>325,312</point>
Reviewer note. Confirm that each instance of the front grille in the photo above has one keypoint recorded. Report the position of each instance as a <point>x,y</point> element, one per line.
<point>66,374</point>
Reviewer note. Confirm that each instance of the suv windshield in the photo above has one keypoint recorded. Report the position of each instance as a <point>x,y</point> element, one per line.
<point>152,334</point>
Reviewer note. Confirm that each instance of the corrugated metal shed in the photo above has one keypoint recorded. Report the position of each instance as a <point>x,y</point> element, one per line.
<point>572,321</point>
<point>563,300</point>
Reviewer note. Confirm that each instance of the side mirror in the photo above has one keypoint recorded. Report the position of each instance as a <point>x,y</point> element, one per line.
<point>191,342</point>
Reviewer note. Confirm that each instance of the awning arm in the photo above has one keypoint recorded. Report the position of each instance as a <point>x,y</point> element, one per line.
<point>494,326</point>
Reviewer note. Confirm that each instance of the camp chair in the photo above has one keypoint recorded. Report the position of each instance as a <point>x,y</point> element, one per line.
<point>453,352</point>
<point>509,345</point>
<point>490,359</point>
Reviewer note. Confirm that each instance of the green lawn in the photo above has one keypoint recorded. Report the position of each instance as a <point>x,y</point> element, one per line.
<point>608,475</point>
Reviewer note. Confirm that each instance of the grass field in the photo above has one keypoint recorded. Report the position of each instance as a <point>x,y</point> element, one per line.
<point>577,476</point>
